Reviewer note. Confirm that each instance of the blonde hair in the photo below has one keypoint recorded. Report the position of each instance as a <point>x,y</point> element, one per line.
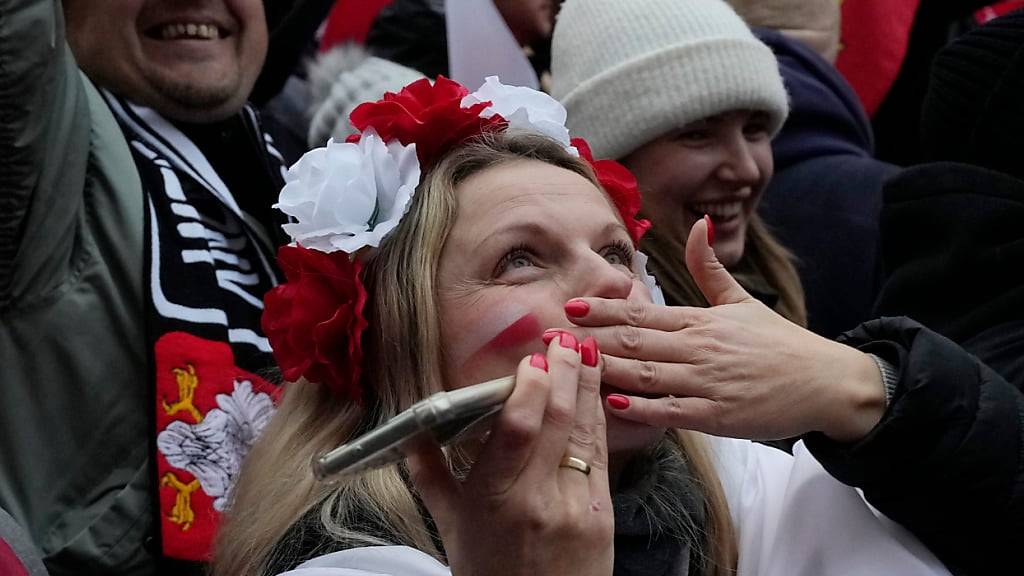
<point>403,364</point>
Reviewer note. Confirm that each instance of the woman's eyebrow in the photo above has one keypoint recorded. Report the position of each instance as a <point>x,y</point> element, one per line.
<point>536,230</point>
<point>518,229</point>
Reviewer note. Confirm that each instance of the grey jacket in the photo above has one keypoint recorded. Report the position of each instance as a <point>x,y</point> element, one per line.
<point>74,390</point>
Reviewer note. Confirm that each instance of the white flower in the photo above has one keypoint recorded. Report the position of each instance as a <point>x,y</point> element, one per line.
<point>523,108</point>
<point>346,196</point>
<point>640,263</point>
<point>213,450</point>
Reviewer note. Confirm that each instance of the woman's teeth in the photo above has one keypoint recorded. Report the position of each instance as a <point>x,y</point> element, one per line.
<point>190,31</point>
<point>721,210</point>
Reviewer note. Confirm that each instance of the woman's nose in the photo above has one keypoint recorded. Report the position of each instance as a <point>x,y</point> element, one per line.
<point>738,164</point>
<point>599,278</point>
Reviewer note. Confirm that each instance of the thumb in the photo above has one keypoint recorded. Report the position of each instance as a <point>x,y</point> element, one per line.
<point>714,281</point>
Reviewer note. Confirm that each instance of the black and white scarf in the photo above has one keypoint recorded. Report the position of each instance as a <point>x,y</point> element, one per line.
<point>210,258</point>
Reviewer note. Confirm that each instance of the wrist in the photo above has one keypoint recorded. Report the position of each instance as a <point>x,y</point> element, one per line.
<point>862,399</point>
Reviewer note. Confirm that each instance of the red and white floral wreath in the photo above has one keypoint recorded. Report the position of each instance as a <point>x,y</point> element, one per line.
<point>345,198</point>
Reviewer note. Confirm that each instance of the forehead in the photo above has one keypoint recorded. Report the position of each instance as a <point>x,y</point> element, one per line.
<point>530,190</point>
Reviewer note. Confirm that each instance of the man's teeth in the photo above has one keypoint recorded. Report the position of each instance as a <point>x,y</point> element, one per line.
<point>719,209</point>
<point>200,31</point>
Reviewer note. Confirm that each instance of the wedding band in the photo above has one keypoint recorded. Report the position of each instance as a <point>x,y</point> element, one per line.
<point>575,464</point>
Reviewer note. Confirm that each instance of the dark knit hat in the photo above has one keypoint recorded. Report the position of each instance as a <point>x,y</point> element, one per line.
<point>974,109</point>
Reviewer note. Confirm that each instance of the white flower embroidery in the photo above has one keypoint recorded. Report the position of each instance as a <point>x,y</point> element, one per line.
<point>213,450</point>
<point>346,196</point>
<point>640,263</point>
<point>523,108</point>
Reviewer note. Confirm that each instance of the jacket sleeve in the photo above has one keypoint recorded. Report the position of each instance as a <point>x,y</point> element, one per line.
<point>947,459</point>
<point>44,140</point>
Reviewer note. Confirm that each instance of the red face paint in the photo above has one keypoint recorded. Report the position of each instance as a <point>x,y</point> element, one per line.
<point>523,331</point>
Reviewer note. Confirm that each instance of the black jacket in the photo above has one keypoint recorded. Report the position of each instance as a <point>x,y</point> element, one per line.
<point>947,460</point>
<point>824,200</point>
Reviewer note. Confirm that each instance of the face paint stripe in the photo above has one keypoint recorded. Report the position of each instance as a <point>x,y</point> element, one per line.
<point>524,330</point>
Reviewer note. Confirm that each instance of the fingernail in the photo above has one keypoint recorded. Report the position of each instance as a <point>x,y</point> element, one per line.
<point>588,352</point>
<point>568,341</point>
<point>618,401</point>
<point>711,230</point>
<point>577,308</point>
<point>538,360</point>
<point>550,334</point>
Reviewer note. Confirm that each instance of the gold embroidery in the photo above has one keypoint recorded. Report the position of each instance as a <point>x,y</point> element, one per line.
<point>182,513</point>
<point>187,383</point>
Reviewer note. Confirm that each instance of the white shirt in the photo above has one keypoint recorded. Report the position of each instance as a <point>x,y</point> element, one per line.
<point>791,519</point>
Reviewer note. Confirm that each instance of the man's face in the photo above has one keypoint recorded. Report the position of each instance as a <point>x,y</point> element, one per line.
<point>190,60</point>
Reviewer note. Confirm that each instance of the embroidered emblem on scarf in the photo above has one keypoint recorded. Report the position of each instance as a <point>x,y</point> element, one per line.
<point>205,434</point>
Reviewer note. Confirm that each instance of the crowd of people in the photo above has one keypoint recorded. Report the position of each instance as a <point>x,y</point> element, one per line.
<point>237,234</point>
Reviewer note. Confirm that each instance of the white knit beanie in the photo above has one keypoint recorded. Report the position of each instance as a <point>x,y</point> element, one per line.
<point>341,80</point>
<point>629,71</point>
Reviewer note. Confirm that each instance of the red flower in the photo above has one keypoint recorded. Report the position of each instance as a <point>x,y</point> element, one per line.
<point>620,185</point>
<point>315,320</point>
<point>429,115</point>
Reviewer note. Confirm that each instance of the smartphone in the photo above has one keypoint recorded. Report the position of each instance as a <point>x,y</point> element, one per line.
<point>447,417</point>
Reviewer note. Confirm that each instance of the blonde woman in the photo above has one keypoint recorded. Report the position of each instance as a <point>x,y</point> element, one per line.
<point>465,280</point>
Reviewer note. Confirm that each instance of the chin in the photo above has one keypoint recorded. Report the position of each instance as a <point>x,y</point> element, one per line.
<point>729,253</point>
<point>198,102</point>
<point>626,437</point>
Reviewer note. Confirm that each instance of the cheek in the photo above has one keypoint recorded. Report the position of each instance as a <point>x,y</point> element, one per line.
<point>765,160</point>
<point>490,343</point>
<point>626,438</point>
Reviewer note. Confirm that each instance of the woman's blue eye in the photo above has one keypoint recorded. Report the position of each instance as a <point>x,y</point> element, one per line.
<point>519,257</point>
<point>520,262</point>
<point>619,254</point>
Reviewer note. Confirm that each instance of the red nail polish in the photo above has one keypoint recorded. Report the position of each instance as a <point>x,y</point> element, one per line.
<point>618,401</point>
<point>711,230</point>
<point>569,341</point>
<point>549,335</point>
<point>538,360</point>
<point>577,308</point>
<point>589,354</point>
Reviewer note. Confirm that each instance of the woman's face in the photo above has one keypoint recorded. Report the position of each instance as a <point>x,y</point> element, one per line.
<point>529,237</point>
<point>717,166</point>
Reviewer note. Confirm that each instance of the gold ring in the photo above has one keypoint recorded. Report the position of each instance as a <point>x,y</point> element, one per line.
<point>575,464</point>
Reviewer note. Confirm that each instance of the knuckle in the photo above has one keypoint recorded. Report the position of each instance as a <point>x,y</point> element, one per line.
<point>536,517</point>
<point>636,312</point>
<point>629,338</point>
<point>518,433</point>
<point>647,374</point>
<point>567,360</point>
<point>674,407</point>
<point>559,414</point>
<point>583,436</point>
<point>590,385</point>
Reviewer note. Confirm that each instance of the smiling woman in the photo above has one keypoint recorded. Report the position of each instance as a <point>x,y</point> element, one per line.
<point>685,96</point>
<point>193,62</point>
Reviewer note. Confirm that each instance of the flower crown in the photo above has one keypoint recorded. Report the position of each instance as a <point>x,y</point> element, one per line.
<point>345,198</point>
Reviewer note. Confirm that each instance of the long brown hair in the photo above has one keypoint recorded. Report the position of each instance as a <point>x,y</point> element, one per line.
<point>403,365</point>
